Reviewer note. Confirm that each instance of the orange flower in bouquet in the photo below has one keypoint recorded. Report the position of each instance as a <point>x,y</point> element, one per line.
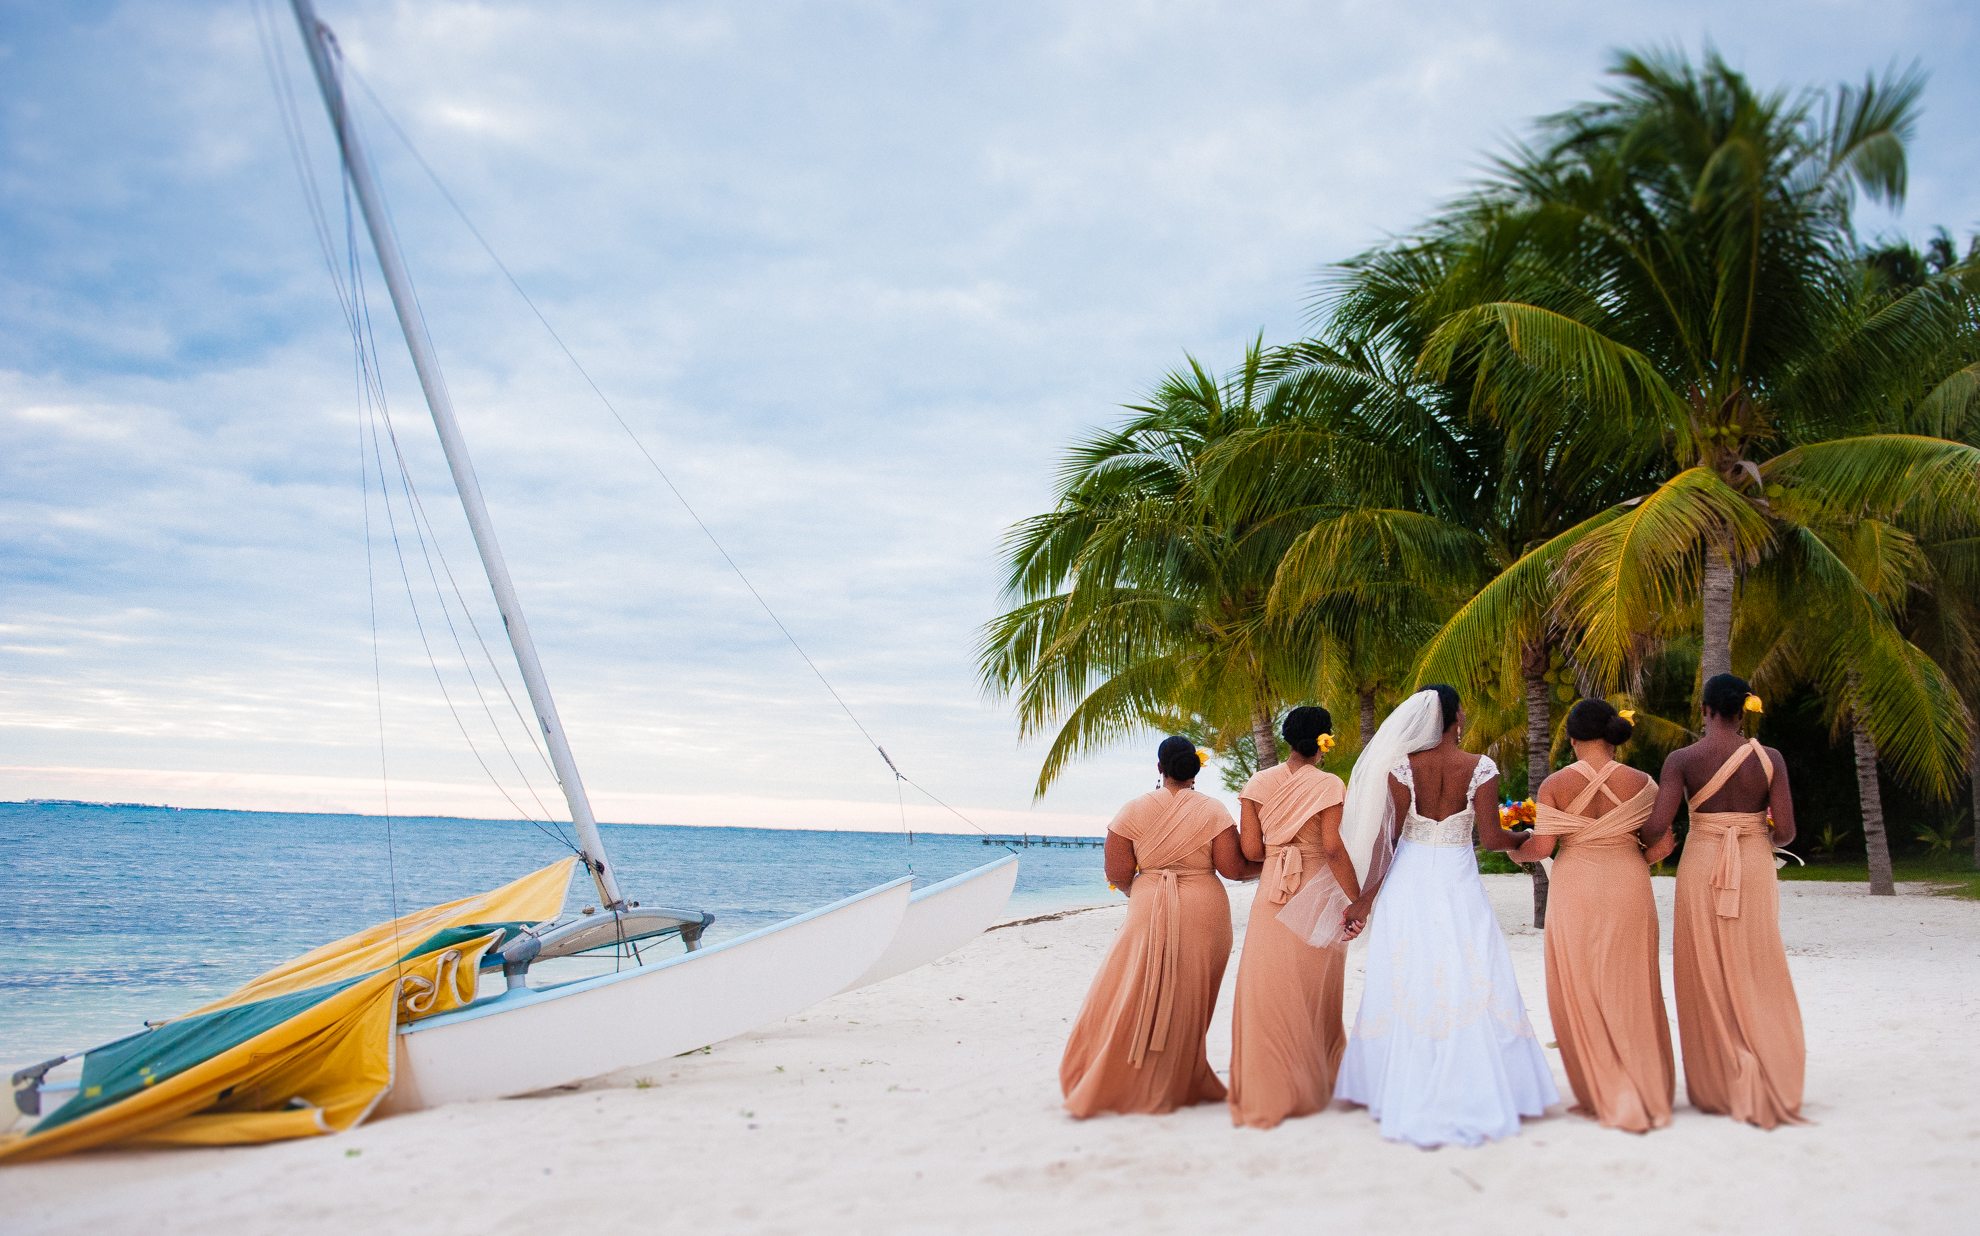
<point>1513,815</point>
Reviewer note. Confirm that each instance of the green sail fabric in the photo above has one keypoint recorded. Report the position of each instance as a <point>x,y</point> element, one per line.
<point>118,1070</point>
<point>449,937</point>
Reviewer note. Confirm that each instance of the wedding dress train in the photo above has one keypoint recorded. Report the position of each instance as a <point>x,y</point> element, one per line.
<point>1441,1051</point>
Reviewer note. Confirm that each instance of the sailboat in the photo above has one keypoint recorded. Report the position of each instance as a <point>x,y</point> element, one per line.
<point>530,1038</point>
<point>450,1042</point>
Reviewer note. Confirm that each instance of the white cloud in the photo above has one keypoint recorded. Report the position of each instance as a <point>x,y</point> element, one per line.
<point>856,273</point>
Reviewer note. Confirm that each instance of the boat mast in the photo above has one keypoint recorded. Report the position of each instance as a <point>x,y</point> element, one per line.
<point>323,58</point>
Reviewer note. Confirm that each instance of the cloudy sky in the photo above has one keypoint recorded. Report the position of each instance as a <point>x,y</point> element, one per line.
<point>855,272</point>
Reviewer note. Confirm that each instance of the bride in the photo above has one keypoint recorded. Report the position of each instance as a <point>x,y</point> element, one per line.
<point>1441,1050</point>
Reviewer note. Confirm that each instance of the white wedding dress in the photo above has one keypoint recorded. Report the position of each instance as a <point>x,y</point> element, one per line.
<point>1441,1051</point>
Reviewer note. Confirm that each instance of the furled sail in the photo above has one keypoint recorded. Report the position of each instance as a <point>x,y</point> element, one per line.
<point>306,1048</point>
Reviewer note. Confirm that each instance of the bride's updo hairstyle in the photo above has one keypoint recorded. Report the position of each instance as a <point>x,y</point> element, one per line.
<point>1177,759</point>
<point>1447,702</point>
<point>1593,719</point>
<point>1303,726</point>
<point>1725,694</point>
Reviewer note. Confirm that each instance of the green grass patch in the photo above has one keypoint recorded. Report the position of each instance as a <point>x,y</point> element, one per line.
<point>1956,875</point>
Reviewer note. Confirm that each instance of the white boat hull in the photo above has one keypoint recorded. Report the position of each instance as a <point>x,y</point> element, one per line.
<point>528,1040</point>
<point>943,917</point>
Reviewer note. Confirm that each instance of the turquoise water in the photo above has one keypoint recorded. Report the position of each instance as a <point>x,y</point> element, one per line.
<point>116,914</point>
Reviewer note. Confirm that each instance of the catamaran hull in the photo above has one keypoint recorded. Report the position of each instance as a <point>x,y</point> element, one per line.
<point>943,917</point>
<point>529,1040</point>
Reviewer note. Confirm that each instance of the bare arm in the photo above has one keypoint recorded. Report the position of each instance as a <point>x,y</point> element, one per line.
<point>1356,915</point>
<point>1532,847</point>
<point>1535,846</point>
<point>1658,839</point>
<point>1335,854</point>
<point>1229,858</point>
<point>1120,862</point>
<point>1485,810</point>
<point>1779,802</point>
<point>1251,837</point>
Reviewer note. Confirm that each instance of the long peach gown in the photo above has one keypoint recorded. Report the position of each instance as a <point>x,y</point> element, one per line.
<point>1604,987</point>
<point>1287,1035</point>
<point>1738,1019</point>
<point>1137,1045</point>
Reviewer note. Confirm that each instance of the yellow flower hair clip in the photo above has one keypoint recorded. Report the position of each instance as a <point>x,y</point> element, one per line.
<point>1753,703</point>
<point>1326,742</point>
<point>1203,755</point>
<point>1628,714</point>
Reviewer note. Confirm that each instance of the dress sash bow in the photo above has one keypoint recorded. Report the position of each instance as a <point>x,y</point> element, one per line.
<point>1727,827</point>
<point>1158,972</point>
<point>1186,822</point>
<point>1285,871</point>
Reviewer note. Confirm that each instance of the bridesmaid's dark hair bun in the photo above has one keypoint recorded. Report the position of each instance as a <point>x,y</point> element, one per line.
<point>1447,701</point>
<point>1592,719</point>
<point>1726,695</point>
<point>1177,759</point>
<point>1303,726</point>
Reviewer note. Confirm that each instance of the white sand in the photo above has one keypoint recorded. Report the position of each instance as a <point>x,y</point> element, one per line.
<point>930,1104</point>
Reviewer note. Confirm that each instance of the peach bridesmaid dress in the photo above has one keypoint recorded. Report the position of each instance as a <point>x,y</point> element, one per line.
<point>1137,1045</point>
<point>1605,989</point>
<point>1738,1019</point>
<point>1287,1034</point>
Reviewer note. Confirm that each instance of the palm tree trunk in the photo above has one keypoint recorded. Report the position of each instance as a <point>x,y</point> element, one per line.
<point>1368,732</point>
<point>1716,657</point>
<point>1876,845</point>
<point>1973,777</point>
<point>1533,659</point>
<point>1264,743</point>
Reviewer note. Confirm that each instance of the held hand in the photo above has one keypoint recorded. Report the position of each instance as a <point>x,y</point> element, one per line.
<point>1660,849</point>
<point>1354,920</point>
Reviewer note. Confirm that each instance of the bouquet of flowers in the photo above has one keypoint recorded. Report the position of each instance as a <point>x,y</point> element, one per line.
<point>1515,815</point>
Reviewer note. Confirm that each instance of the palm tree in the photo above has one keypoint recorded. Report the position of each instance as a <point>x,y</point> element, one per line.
<point>1144,595</point>
<point>1685,263</point>
<point>1510,490</point>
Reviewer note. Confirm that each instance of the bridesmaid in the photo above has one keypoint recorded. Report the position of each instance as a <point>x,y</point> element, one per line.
<point>1286,1030</point>
<point>1738,1020</point>
<point>1604,987</point>
<point>1137,1045</point>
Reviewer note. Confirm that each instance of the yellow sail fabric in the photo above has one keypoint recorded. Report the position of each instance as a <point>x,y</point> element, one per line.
<point>535,897</point>
<point>305,1049</point>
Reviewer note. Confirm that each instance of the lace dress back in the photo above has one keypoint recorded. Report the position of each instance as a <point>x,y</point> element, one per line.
<point>1455,829</point>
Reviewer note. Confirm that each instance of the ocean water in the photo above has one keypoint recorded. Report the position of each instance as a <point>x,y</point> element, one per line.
<point>112,915</point>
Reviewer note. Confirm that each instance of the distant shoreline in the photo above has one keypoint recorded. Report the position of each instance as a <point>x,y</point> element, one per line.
<point>484,819</point>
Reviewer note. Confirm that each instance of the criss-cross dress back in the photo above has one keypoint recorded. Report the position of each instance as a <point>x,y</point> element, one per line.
<point>1604,983</point>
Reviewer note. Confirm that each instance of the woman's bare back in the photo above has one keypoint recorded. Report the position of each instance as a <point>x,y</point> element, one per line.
<point>1748,788</point>
<point>1442,776</point>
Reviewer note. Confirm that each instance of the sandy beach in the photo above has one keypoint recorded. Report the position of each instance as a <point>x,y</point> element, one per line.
<point>930,1104</point>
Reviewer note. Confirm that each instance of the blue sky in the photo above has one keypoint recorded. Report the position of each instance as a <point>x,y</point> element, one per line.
<point>856,272</point>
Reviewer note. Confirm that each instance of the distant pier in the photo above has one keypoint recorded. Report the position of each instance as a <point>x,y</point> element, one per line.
<point>1025,840</point>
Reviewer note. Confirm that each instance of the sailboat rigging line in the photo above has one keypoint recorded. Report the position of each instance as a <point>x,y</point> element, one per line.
<point>355,307</point>
<point>429,537</point>
<point>379,408</point>
<point>420,515</point>
<point>419,625</point>
<point>706,531</point>
<point>298,145</point>
<point>378,679</point>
